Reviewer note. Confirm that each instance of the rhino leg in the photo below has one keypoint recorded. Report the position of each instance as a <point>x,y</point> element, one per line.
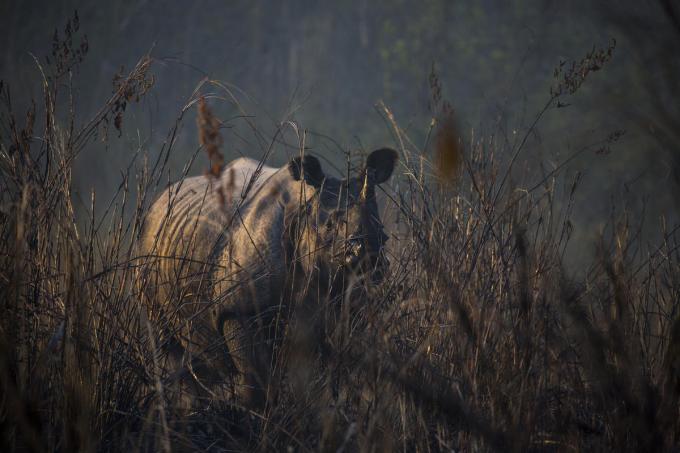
<point>198,361</point>
<point>250,339</point>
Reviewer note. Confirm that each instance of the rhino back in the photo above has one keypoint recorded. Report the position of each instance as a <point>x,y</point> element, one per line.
<point>253,264</point>
<point>187,222</point>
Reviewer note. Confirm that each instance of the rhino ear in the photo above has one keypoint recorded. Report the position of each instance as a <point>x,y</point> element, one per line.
<point>307,168</point>
<point>382,161</point>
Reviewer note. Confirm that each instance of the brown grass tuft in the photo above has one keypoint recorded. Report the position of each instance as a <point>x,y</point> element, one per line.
<point>448,147</point>
<point>210,138</point>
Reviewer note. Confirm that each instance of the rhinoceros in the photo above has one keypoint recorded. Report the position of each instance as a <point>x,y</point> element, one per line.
<point>229,256</point>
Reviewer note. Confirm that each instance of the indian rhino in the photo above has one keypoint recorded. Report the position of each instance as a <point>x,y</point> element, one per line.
<point>227,257</point>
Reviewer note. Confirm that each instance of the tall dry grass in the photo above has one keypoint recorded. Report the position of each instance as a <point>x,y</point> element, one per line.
<point>478,340</point>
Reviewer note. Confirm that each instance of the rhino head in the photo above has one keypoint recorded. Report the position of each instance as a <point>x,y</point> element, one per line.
<point>339,230</point>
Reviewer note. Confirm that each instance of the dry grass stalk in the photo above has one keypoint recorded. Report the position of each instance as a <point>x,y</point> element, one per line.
<point>210,138</point>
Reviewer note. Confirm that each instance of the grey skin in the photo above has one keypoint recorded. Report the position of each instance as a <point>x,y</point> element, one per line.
<point>226,259</point>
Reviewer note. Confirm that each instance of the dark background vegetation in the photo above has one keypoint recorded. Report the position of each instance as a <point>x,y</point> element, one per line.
<point>325,65</point>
